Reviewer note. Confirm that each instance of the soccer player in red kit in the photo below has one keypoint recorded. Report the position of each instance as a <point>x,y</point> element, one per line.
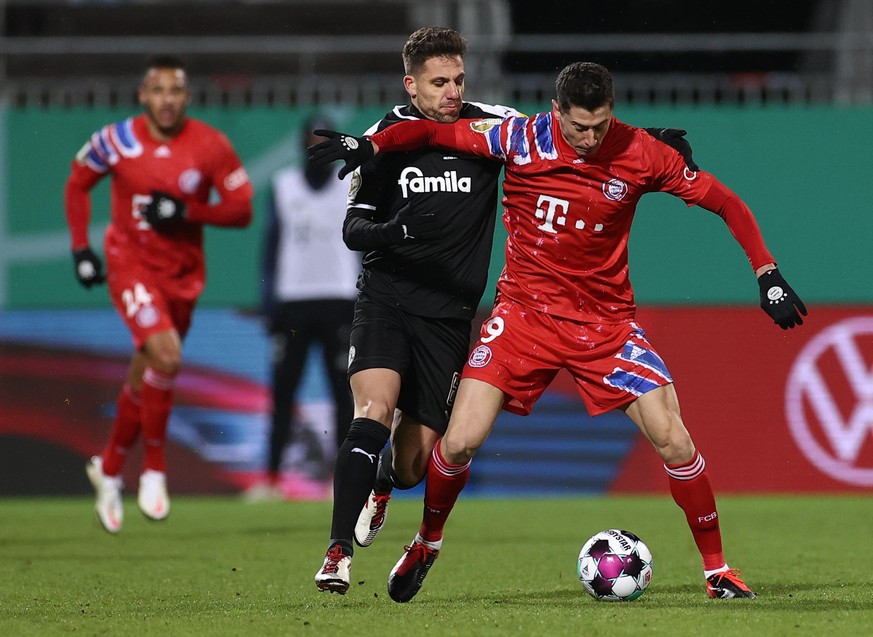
<point>573,179</point>
<point>163,167</point>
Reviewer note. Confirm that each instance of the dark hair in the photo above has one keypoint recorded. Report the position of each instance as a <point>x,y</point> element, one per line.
<point>584,84</point>
<point>431,42</point>
<point>165,62</point>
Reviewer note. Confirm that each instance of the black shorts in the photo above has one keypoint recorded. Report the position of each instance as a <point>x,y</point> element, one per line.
<point>428,354</point>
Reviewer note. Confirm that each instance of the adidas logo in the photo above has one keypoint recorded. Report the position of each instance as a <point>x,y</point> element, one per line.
<point>636,352</point>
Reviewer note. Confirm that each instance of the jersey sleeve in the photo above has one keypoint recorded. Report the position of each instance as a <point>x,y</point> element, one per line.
<point>230,180</point>
<point>479,137</point>
<point>229,175</point>
<point>364,227</point>
<point>88,167</point>
<point>670,174</point>
<point>740,221</point>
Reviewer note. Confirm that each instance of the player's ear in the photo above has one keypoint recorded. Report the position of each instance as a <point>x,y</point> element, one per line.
<point>409,85</point>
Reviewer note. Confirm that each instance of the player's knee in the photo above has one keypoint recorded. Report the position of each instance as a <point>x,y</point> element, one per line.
<point>675,450</point>
<point>167,362</point>
<point>378,410</point>
<point>458,449</point>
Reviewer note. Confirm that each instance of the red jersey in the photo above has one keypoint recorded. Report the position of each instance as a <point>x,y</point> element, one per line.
<point>569,217</point>
<point>188,167</point>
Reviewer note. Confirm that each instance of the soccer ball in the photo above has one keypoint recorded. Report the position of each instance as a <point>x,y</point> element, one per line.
<point>615,566</point>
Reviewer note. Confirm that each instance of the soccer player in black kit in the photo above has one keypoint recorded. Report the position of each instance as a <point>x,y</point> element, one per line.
<point>425,220</point>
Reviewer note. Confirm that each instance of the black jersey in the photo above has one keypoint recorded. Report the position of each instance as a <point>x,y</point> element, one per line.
<point>445,277</point>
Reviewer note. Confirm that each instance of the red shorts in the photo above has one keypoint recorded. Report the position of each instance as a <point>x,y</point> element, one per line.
<point>520,351</point>
<point>145,305</point>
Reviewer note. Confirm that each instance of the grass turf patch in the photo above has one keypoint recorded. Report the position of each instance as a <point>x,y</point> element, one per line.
<point>219,566</point>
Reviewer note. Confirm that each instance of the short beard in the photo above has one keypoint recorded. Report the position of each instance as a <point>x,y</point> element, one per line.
<point>442,118</point>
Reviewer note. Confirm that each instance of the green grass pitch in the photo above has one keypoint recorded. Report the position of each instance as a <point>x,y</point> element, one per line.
<point>219,566</point>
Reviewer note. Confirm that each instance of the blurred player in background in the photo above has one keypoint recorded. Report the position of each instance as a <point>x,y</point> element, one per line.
<point>573,180</point>
<point>163,166</point>
<point>309,291</point>
<point>426,221</point>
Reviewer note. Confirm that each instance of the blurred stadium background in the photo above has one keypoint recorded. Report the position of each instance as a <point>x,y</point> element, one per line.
<point>778,101</point>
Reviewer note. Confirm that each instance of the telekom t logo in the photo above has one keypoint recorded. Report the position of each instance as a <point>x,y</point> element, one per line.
<point>829,400</point>
<point>555,213</point>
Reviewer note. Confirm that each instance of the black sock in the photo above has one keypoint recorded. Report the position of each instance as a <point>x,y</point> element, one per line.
<point>384,479</point>
<point>345,546</point>
<point>355,472</point>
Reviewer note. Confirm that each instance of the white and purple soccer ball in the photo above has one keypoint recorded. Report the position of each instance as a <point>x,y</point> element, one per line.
<point>615,566</point>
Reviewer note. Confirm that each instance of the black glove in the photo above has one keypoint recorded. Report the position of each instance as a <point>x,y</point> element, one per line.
<point>164,210</point>
<point>780,301</point>
<point>354,151</point>
<point>412,226</point>
<point>89,267</point>
<point>675,138</point>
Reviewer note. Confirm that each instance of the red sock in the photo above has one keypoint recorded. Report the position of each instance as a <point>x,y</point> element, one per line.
<point>692,491</point>
<point>444,484</point>
<point>125,429</point>
<point>157,399</point>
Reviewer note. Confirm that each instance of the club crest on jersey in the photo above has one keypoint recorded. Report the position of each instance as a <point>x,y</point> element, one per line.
<point>147,316</point>
<point>189,181</point>
<point>415,181</point>
<point>480,356</point>
<point>615,189</point>
<point>485,125</point>
<point>355,185</point>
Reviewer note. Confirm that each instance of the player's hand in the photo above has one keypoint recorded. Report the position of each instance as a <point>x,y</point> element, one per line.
<point>89,267</point>
<point>779,301</point>
<point>164,210</point>
<point>675,138</point>
<point>413,226</point>
<point>354,151</point>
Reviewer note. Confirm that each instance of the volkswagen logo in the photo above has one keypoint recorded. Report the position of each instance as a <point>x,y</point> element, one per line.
<point>829,401</point>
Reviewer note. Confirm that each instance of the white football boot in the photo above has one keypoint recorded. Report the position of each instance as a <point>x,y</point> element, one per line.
<point>334,574</point>
<point>152,498</point>
<point>372,518</point>
<point>110,510</point>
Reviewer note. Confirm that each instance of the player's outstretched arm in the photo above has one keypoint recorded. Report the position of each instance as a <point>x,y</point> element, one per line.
<point>779,300</point>
<point>354,151</point>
